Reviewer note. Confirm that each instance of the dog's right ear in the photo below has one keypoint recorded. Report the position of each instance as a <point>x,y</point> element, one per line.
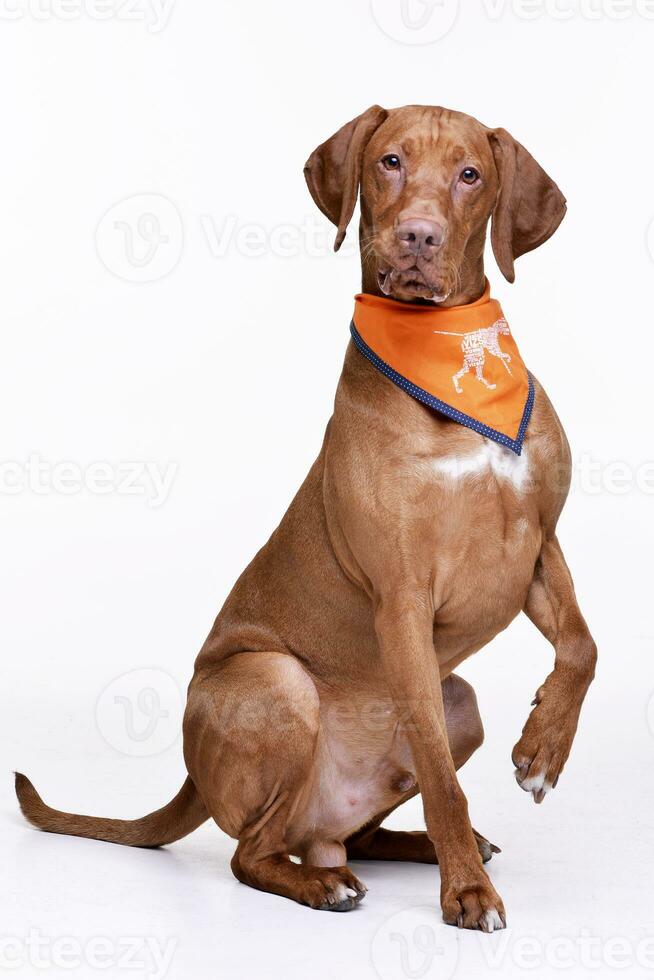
<point>333,171</point>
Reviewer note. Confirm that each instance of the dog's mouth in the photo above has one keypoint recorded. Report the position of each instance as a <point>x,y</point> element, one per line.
<point>410,284</point>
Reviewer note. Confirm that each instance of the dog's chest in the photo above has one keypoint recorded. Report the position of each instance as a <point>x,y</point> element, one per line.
<point>489,461</point>
<point>484,536</point>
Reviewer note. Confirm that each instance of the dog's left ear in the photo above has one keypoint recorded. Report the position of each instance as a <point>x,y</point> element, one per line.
<point>333,171</point>
<point>529,206</point>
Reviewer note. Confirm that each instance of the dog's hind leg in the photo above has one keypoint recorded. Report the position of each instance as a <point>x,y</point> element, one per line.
<point>465,734</point>
<point>376,843</point>
<point>250,736</point>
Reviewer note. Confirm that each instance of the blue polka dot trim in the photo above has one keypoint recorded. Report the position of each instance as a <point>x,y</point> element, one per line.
<point>515,445</point>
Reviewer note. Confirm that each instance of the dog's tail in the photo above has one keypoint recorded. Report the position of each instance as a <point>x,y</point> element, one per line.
<point>178,818</point>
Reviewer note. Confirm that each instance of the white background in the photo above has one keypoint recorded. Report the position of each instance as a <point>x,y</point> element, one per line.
<point>221,371</point>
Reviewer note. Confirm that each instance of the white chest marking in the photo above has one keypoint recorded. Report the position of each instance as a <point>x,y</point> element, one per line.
<point>490,457</point>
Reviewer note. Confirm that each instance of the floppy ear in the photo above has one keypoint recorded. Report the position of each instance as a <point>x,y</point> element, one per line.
<point>529,206</point>
<point>333,171</point>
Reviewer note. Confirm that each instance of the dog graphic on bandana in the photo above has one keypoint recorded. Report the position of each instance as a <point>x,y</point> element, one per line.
<point>474,346</point>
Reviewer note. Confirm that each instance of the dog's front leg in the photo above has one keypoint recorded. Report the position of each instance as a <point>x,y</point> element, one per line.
<point>547,737</point>
<point>404,626</point>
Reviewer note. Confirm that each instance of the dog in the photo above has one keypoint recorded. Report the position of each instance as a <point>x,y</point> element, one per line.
<point>474,346</point>
<point>325,694</point>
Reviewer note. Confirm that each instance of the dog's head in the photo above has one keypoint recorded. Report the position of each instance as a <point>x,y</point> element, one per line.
<point>430,180</point>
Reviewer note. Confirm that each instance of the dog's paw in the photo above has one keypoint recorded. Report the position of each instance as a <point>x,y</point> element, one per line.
<point>541,753</point>
<point>333,890</point>
<point>535,784</point>
<point>474,906</point>
<point>539,758</point>
<point>485,848</point>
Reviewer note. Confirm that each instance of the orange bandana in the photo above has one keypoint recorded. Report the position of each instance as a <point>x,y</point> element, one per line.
<point>461,361</point>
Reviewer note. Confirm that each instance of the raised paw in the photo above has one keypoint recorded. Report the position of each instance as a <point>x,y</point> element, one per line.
<point>541,753</point>
<point>539,758</point>
<point>474,906</point>
<point>534,782</point>
<point>332,889</point>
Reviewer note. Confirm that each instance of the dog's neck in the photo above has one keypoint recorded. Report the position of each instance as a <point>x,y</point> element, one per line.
<point>472,280</point>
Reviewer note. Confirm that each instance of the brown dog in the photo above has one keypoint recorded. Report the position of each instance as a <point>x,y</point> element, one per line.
<point>324,695</point>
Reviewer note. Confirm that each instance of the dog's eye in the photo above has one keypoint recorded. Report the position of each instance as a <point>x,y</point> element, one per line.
<point>469,175</point>
<point>391,161</point>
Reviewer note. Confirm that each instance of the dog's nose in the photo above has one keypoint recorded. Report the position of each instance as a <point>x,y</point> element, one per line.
<point>420,235</point>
